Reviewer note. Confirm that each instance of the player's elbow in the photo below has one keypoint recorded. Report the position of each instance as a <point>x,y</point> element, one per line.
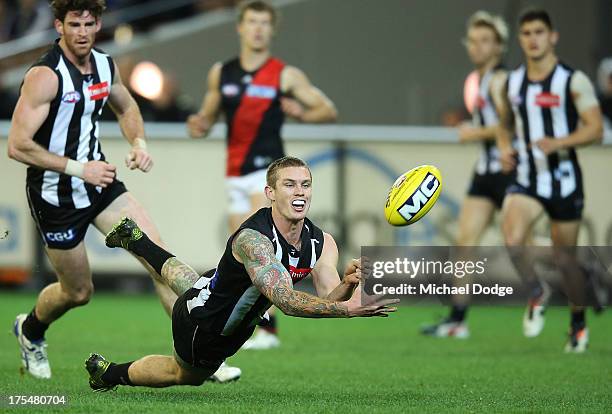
<point>13,151</point>
<point>332,113</point>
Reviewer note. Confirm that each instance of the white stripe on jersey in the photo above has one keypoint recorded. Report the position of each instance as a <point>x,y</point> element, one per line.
<point>514,89</point>
<point>536,132</point>
<point>489,118</point>
<point>561,128</point>
<point>79,193</point>
<point>59,135</point>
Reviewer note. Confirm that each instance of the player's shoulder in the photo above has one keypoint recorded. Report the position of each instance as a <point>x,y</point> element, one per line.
<point>41,77</point>
<point>97,50</point>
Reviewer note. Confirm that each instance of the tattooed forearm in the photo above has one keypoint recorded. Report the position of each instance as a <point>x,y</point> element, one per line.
<point>272,279</point>
<point>179,276</point>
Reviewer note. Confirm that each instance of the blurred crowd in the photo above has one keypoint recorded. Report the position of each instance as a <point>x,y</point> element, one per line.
<point>19,18</point>
<point>23,17</point>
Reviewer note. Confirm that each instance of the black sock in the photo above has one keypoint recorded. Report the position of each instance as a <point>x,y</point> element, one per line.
<point>578,320</point>
<point>269,325</point>
<point>32,328</point>
<point>117,374</point>
<point>151,252</point>
<point>458,313</point>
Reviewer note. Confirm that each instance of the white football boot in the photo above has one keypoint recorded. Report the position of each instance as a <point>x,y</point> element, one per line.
<point>226,373</point>
<point>533,318</point>
<point>447,329</point>
<point>262,340</point>
<point>33,353</point>
<point>578,341</point>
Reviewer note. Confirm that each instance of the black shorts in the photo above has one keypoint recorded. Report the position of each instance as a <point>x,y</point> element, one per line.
<point>558,208</point>
<point>198,348</point>
<point>491,186</point>
<point>63,228</point>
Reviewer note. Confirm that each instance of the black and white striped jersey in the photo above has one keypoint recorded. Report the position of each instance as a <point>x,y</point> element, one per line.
<point>228,301</point>
<point>71,128</point>
<point>485,115</point>
<point>545,108</point>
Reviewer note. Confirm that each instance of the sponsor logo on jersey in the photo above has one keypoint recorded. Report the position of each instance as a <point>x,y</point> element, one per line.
<point>71,97</point>
<point>261,161</point>
<point>230,89</point>
<point>547,100</point>
<point>481,102</point>
<point>420,197</point>
<point>260,91</point>
<point>60,236</point>
<point>298,274</point>
<point>98,91</point>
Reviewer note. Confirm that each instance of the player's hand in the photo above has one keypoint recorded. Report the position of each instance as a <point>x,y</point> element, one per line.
<point>197,126</point>
<point>99,173</point>
<point>507,157</point>
<point>467,132</point>
<point>548,145</point>
<point>292,108</point>
<point>139,158</point>
<point>378,307</point>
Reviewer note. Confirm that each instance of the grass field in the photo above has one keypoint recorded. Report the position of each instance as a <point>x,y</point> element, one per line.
<point>334,366</point>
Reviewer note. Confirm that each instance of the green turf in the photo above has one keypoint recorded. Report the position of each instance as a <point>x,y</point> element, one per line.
<point>366,365</point>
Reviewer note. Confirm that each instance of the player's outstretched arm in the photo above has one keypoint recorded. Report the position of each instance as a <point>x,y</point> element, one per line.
<point>38,91</point>
<point>256,252</point>
<point>199,124</point>
<point>310,103</point>
<point>325,274</point>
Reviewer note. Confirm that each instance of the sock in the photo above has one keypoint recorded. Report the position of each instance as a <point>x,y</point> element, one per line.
<point>269,326</point>
<point>458,313</point>
<point>117,374</point>
<point>32,328</point>
<point>151,252</point>
<point>578,320</point>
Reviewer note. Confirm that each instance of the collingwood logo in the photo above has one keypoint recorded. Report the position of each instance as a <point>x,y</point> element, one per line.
<point>421,196</point>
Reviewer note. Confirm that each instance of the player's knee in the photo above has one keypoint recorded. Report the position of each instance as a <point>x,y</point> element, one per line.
<point>81,295</point>
<point>189,378</point>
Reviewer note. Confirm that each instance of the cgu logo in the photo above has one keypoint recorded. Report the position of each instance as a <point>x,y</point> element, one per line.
<point>62,236</point>
<point>420,197</point>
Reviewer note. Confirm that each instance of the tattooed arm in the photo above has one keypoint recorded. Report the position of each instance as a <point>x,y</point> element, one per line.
<point>256,252</point>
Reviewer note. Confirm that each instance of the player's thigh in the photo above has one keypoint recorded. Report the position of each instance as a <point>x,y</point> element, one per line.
<point>564,233</point>
<point>475,216</point>
<point>519,213</point>
<point>72,269</point>
<point>126,205</point>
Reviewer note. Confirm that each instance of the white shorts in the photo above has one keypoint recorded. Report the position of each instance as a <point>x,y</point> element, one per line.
<point>240,189</point>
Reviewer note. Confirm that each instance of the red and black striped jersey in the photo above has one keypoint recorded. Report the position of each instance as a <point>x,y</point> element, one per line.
<point>251,103</point>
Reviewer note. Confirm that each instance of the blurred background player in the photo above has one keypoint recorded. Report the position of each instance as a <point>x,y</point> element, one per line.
<point>555,110</point>
<point>485,43</point>
<point>70,185</point>
<point>255,91</point>
<point>274,249</point>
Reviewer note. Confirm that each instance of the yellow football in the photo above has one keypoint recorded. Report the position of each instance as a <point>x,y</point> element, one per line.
<point>412,195</point>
